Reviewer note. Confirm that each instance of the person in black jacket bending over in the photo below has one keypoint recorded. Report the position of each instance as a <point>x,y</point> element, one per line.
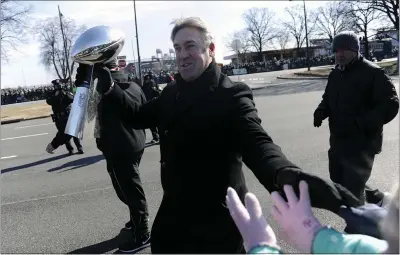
<point>151,90</point>
<point>208,126</point>
<point>60,102</point>
<point>122,147</point>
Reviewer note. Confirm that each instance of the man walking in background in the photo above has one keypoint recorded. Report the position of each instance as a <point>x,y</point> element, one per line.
<point>359,99</point>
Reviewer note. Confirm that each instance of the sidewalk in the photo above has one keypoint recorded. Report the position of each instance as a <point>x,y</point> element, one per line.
<point>298,77</point>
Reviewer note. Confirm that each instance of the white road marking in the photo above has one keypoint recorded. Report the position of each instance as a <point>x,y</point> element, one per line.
<point>24,136</point>
<point>39,125</point>
<point>13,156</point>
<point>56,196</point>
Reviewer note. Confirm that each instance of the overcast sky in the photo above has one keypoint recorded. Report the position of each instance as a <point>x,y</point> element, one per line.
<point>154,19</point>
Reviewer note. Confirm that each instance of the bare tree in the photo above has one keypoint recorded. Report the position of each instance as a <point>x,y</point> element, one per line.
<point>332,19</point>
<point>51,44</point>
<point>243,38</point>
<point>282,39</point>
<point>363,16</point>
<point>14,17</point>
<point>295,24</point>
<point>390,8</point>
<point>261,26</point>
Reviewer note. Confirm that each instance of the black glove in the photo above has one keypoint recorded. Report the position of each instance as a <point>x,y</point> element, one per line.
<point>317,122</point>
<point>323,194</point>
<point>82,77</point>
<point>104,78</point>
<point>318,118</point>
<point>363,220</point>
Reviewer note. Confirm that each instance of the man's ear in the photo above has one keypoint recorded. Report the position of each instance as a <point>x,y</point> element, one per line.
<point>212,49</point>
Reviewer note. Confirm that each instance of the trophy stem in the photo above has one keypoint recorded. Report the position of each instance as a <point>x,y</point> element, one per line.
<point>77,116</point>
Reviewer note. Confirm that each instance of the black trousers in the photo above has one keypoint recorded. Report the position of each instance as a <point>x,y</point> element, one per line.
<point>125,178</point>
<point>61,138</point>
<point>350,165</point>
<point>177,231</point>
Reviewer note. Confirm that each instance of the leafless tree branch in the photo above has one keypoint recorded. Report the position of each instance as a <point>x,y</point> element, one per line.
<point>389,8</point>
<point>260,24</point>
<point>243,38</point>
<point>52,53</point>
<point>14,17</point>
<point>332,19</point>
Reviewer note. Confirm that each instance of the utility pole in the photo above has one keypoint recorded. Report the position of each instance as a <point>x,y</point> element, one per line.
<point>305,23</point>
<point>137,44</point>
<point>65,48</point>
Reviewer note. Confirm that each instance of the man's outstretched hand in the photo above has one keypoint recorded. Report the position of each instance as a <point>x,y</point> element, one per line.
<point>323,194</point>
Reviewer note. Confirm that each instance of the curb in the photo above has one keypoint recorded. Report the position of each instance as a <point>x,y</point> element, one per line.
<point>302,78</point>
<point>39,117</point>
<point>12,121</point>
<point>261,87</point>
<point>4,122</point>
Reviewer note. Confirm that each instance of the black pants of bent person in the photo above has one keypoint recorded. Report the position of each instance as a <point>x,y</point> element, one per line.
<point>61,138</point>
<point>154,133</point>
<point>351,166</point>
<point>125,178</point>
<point>177,231</point>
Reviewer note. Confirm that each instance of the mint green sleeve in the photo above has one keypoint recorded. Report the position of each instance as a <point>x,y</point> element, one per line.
<point>329,240</point>
<point>264,249</point>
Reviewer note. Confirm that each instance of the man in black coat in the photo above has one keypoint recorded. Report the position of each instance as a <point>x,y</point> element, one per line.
<point>60,102</point>
<point>208,127</point>
<point>122,147</point>
<point>358,100</point>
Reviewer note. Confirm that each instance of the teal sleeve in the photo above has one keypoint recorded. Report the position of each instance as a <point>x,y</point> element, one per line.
<point>264,249</point>
<point>329,240</point>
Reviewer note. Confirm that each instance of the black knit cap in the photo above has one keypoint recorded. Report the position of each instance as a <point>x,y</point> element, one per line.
<point>347,40</point>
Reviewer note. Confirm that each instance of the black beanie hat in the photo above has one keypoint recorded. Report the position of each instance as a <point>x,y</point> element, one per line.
<point>346,41</point>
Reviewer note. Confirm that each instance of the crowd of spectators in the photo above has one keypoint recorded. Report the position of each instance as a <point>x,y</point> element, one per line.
<point>276,65</point>
<point>24,94</point>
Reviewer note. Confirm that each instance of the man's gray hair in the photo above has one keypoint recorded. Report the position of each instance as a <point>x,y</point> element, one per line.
<point>194,22</point>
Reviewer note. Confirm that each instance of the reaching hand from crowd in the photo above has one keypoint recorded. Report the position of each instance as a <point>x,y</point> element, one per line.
<point>295,217</point>
<point>250,221</point>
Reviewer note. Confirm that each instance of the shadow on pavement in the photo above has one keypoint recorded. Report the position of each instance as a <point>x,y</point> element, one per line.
<point>40,162</point>
<point>293,88</point>
<point>82,162</point>
<point>105,246</point>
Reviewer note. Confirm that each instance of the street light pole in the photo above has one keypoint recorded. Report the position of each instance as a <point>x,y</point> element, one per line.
<point>305,24</point>
<point>137,44</point>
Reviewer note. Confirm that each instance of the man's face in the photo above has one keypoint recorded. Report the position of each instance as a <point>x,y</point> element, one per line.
<point>344,57</point>
<point>192,55</point>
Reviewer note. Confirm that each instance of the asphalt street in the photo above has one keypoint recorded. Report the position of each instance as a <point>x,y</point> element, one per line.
<point>66,204</point>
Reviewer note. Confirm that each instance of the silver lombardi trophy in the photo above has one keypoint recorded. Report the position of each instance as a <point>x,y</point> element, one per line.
<point>98,44</point>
